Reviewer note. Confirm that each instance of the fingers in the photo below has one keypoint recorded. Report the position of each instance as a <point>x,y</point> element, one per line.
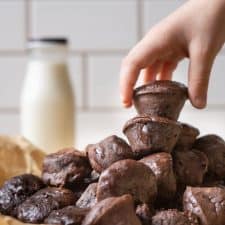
<point>141,56</point>
<point>167,70</point>
<point>151,72</point>
<point>128,78</point>
<point>199,73</point>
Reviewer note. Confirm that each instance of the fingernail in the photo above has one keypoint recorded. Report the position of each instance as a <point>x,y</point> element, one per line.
<point>200,102</point>
<point>126,104</point>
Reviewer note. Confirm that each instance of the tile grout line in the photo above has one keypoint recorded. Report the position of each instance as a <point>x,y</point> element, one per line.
<point>84,52</point>
<point>71,52</point>
<point>15,110</point>
<point>9,110</point>
<point>99,52</point>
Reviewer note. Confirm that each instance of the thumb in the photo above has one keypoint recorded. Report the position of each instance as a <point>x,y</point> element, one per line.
<point>199,72</point>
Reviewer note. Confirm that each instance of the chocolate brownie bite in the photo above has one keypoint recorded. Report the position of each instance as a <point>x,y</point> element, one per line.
<point>111,211</point>
<point>190,167</point>
<point>108,151</point>
<point>65,168</point>
<point>214,148</point>
<point>148,134</point>
<point>16,190</point>
<point>187,136</point>
<point>162,166</point>
<point>88,199</point>
<point>160,98</point>
<point>36,208</point>
<point>69,215</point>
<point>173,217</point>
<point>208,204</point>
<point>145,214</point>
<point>128,177</point>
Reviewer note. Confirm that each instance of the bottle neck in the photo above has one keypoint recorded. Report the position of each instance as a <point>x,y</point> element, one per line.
<point>54,54</point>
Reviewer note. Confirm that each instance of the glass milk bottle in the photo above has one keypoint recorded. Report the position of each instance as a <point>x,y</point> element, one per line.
<point>47,100</point>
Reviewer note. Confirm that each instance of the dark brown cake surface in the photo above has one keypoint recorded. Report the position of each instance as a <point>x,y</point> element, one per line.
<point>214,148</point>
<point>88,199</point>
<point>69,215</point>
<point>161,86</point>
<point>65,168</point>
<point>173,217</point>
<point>162,166</point>
<point>36,208</point>
<point>190,167</point>
<point>108,151</point>
<point>149,134</point>
<point>16,190</point>
<point>208,204</point>
<point>128,177</point>
<point>160,98</point>
<point>112,211</point>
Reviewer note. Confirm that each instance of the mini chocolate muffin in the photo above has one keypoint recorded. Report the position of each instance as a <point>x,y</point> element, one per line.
<point>36,208</point>
<point>208,204</point>
<point>108,151</point>
<point>190,167</point>
<point>214,148</point>
<point>148,134</point>
<point>160,98</point>
<point>173,217</point>
<point>187,137</point>
<point>145,214</point>
<point>88,199</point>
<point>162,166</point>
<point>128,177</point>
<point>69,215</point>
<point>16,190</point>
<point>112,211</point>
<point>65,168</point>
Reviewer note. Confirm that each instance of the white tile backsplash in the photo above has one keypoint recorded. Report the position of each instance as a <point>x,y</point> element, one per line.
<point>216,93</point>
<point>12,24</point>
<point>89,24</point>
<point>9,124</point>
<point>155,10</point>
<point>103,80</point>
<point>12,72</point>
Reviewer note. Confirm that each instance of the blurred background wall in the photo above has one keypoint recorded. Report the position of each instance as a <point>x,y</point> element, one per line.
<point>100,32</point>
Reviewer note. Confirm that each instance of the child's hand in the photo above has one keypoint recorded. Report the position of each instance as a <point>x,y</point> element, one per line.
<point>196,30</point>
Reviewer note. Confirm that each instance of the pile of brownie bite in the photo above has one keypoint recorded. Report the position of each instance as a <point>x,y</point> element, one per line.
<point>166,176</point>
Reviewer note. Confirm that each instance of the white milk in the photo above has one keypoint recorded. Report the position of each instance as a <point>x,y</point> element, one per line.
<point>47,101</point>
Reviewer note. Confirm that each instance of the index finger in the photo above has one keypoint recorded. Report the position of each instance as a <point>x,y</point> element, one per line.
<point>142,55</point>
